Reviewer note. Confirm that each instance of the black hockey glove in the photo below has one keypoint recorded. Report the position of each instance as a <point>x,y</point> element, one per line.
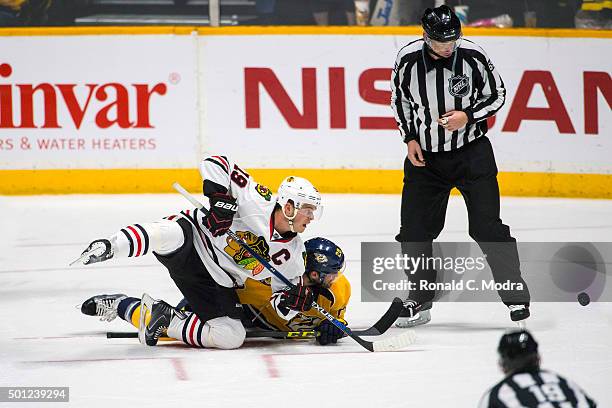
<point>328,333</point>
<point>221,213</point>
<point>98,251</point>
<point>297,298</point>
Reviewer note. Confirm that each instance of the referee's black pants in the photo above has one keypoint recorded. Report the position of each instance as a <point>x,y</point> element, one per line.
<point>472,170</point>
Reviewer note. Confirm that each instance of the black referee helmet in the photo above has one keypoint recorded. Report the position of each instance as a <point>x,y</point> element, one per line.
<point>441,24</point>
<point>517,350</point>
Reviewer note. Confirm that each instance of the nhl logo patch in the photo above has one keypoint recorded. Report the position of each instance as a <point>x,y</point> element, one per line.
<point>459,85</point>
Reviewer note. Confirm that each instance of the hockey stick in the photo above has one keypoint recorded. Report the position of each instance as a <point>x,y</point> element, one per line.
<point>131,335</point>
<point>377,329</point>
<point>381,326</point>
<point>386,321</point>
<point>390,344</point>
<point>253,334</point>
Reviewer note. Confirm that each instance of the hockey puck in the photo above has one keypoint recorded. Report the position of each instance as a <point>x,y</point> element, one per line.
<point>583,299</point>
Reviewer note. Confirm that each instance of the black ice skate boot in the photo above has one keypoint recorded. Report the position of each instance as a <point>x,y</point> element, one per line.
<point>104,306</point>
<point>161,316</point>
<point>414,314</point>
<point>518,312</point>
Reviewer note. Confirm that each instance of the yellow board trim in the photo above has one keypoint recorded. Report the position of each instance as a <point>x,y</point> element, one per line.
<point>120,181</point>
<point>597,6</point>
<point>96,30</point>
<point>294,30</point>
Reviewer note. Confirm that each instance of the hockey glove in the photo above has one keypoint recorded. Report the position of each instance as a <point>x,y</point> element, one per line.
<point>221,213</point>
<point>328,333</point>
<point>99,250</point>
<point>298,298</point>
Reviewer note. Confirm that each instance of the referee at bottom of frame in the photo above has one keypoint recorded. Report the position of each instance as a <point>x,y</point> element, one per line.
<point>526,385</point>
<point>444,87</point>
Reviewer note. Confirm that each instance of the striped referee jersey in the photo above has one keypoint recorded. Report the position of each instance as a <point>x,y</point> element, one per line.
<point>423,89</point>
<point>536,389</point>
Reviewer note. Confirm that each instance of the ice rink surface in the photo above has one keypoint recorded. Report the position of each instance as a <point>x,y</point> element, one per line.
<point>46,341</point>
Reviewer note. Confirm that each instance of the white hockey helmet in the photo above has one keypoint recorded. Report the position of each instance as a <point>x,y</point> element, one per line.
<point>300,191</point>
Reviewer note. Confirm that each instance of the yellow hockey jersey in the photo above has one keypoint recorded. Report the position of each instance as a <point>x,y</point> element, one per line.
<point>255,298</point>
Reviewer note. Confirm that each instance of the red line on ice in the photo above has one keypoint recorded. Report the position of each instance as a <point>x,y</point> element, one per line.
<point>270,365</point>
<point>179,369</point>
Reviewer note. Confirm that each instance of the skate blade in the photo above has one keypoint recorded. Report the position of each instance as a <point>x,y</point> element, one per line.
<point>81,258</point>
<point>404,322</point>
<point>146,305</point>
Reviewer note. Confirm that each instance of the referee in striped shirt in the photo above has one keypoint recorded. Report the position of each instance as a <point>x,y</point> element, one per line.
<point>443,90</point>
<point>526,385</point>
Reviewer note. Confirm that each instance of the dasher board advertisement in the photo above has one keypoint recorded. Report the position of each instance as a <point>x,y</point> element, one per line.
<point>78,102</point>
<point>318,101</point>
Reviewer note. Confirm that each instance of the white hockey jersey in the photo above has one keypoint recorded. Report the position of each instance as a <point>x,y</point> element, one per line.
<point>227,262</point>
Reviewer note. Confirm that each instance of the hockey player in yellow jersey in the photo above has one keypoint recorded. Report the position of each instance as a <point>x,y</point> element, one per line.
<point>323,278</point>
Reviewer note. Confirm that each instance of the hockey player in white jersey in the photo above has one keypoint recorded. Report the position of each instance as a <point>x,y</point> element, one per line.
<point>206,265</point>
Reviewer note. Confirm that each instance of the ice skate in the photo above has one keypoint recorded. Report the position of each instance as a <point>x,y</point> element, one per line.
<point>161,314</point>
<point>104,306</point>
<point>518,313</point>
<point>414,314</point>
